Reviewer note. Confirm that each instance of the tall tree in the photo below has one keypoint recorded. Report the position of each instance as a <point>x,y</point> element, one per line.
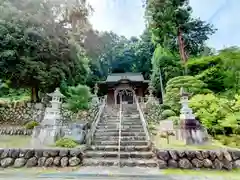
<point>37,50</point>
<point>173,27</point>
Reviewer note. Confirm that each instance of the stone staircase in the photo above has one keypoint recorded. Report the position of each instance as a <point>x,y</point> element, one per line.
<point>134,150</point>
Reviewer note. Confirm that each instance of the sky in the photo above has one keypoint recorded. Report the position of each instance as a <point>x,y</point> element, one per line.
<point>126,17</point>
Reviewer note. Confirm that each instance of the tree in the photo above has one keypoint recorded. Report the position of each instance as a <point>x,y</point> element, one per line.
<point>36,50</point>
<point>118,54</point>
<point>173,27</point>
<point>167,64</point>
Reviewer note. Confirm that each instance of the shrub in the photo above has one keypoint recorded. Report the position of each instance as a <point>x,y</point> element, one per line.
<point>66,143</point>
<point>164,107</point>
<point>217,114</point>
<point>167,113</point>
<point>175,119</point>
<point>31,124</point>
<point>190,84</point>
<point>79,98</point>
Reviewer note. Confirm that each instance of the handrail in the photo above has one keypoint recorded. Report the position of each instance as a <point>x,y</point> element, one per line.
<point>95,122</point>
<point>119,134</point>
<point>144,123</point>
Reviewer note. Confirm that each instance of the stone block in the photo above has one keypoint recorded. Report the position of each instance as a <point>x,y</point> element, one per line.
<point>19,162</point>
<point>6,162</point>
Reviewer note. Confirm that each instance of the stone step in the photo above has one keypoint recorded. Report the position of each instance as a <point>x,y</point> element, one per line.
<point>117,122</point>
<point>116,133</point>
<point>123,162</point>
<point>123,138</point>
<point>123,143</point>
<point>122,126</point>
<point>123,118</point>
<point>112,154</point>
<point>122,148</point>
<point>122,130</point>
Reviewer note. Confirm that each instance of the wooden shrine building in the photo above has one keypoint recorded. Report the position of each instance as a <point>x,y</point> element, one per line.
<point>123,87</point>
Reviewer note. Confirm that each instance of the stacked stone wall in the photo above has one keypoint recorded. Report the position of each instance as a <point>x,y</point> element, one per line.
<point>18,158</point>
<point>21,113</point>
<point>14,130</point>
<point>220,160</point>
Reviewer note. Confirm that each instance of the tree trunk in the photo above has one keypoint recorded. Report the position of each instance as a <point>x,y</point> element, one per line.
<point>34,95</point>
<point>181,49</point>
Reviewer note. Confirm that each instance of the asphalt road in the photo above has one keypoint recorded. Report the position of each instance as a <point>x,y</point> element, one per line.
<point>100,173</point>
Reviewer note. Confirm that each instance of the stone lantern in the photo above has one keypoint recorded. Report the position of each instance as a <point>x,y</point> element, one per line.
<point>95,99</point>
<point>151,99</point>
<point>190,127</point>
<point>53,114</point>
<point>50,128</point>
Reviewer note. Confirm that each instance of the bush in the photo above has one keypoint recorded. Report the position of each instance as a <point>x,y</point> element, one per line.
<point>79,98</point>
<point>164,107</point>
<point>31,124</point>
<point>190,84</point>
<point>66,143</point>
<point>232,140</point>
<point>167,113</point>
<point>175,119</point>
<point>217,114</point>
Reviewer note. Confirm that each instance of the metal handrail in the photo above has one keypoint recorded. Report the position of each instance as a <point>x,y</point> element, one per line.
<point>95,122</point>
<point>144,123</point>
<point>119,134</point>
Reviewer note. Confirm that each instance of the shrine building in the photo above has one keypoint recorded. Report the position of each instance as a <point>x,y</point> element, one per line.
<point>123,87</point>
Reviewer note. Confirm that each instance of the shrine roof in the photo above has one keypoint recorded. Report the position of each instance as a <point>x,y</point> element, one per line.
<point>115,77</point>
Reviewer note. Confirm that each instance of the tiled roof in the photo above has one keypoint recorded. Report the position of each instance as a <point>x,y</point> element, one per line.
<point>115,77</point>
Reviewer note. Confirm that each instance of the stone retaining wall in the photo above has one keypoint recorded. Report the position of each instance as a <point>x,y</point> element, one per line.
<point>21,113</point>
<point>40,157</point>
<point>15,131</point>
<point>198,159</point>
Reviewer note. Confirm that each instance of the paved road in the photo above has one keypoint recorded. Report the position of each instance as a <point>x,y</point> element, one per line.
<point>100,173</point>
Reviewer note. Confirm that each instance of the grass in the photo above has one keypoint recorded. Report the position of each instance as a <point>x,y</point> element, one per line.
<point>14,141</point>
<point>21,142</point>
<point>230,175</point>
<point>177,144</point>
<point>162,143</point>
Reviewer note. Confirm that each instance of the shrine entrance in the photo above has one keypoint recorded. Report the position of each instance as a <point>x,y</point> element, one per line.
<point>125,96</point>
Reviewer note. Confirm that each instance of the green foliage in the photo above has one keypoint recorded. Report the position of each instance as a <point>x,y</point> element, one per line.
<point>233,140</point>
<point>164,107</point>
<point>217,114</point>
<point>31,124</point>
<point>115,53</point>
<point>167,113</point>
<point>79,98</point>
<point>167,64</point>
<point>220,72</point>
<point>66,143</point>
<point>37,51</point>
<point>154,113</point>
<point>169,19</point>
<point>175,119</point>
<point>214,78</point>
<point>190,84</point>
<point>198,65</point>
